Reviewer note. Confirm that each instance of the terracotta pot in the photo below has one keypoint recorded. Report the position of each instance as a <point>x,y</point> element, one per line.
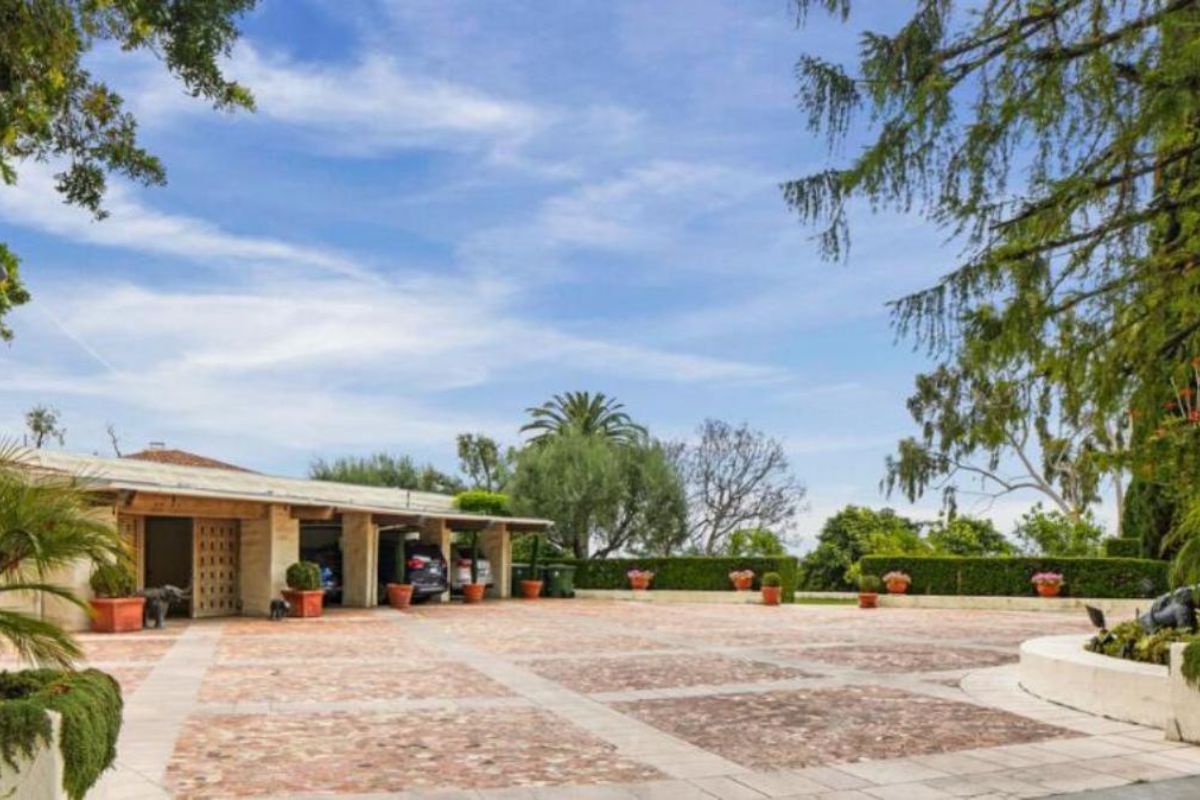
<point>531,590</point>
<point>473,592</point>
<point>639,582</point>
<point>868,600</point>
<point>399,595</point>
<point>771,595</point>
<point>897,587</point>
<point>743,584</point>
<point>305,603</point>
<point>118,614</point>
<point>1049,589</point>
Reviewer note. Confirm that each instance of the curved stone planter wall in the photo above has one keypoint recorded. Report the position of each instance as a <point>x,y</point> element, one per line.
<point>39,777</point>
<point>1058,669</point>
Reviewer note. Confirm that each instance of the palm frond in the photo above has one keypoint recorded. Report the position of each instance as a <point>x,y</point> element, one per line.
<point>38,641</point>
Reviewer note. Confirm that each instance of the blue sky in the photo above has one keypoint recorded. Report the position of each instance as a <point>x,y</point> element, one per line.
<point>443,212</point>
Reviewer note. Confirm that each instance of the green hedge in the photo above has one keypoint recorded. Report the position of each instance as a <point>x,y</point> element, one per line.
<point>1083,577</point>
<point>688,572</point>
<point>1123,548</point>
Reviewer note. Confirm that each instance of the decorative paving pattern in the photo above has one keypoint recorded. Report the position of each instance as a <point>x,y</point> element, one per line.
<point>299,683</point>
<point>130,678</point>
<point>893,658</point>
<point>392,647</point>
<point>249,755</point>
<point>594,675</point>
<point>125,648</point>
<point>779,730</point>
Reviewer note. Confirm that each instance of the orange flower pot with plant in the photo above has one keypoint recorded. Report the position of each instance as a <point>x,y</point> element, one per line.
<point>473,591</point>
<point>772,588</point>
<point>639,579</point>
<point>531,588</point>
<point>1048,584</point>
<point>897,582</point>
<point>742,579</point>
<point>116,608</point>
<point>868,591</point>
<point>304,591</point>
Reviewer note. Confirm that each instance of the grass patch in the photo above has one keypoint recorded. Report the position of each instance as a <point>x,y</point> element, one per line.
<point>825,601</point>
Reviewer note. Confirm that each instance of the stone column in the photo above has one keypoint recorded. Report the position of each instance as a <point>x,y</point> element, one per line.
<point>434,530</point>
<point>360,560</point>
<point>267,546</point>
<point>495,543</point>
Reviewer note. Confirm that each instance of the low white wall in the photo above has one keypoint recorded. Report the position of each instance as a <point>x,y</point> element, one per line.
<point>1114,608</point>
<point>39,777</point>
<point>1183,724</point>
<point>1058,669</point>
<point>670,596</point>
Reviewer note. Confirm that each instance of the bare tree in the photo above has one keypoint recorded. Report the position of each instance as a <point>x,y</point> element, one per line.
<point>44,424</point>
<point>736,478</point>
<point>111,430</point>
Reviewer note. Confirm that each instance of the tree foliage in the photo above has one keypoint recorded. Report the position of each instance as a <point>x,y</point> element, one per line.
<point>382,469</point>
<point>736,478</point>
<point>754,542</point>
<point>44,424</point>
<point>849,535</point>
<point>483,462</point>
<point>1052,533</point>
<point>51,108</point>
<point>1058,143</point>
<point>585,413</point>
<point>603,496</point>
<point>967,536</point>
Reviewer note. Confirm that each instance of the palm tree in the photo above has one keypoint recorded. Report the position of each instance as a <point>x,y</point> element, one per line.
<point>46,523</point>
<point>584,413</point>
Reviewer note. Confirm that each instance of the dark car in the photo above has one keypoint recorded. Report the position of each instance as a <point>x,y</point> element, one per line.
<point>424,567</point>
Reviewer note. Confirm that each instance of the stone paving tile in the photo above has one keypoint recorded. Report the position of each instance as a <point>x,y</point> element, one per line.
<point>553,643</point>
<point>342,682</point>
<point>789,729</point>
<point>130,678</point>
<point>894,658</point>
<point>244,756</point>
<point>595,675</point>
<point>123,648</point>
<point>318,626</point>
<point>389,645</point>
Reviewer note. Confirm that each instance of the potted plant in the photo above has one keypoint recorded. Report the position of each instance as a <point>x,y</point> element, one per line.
<point>1048,584</point>
<point>531,588</point>
<point>772,588</point>
<point>639,579</point>
<point>116,608</point>
<point>399,593</point>
<point>742,579</point>
<point>473,591</point>
<point>304,591</point>
<point>868,591</point>
<point>897,582</point>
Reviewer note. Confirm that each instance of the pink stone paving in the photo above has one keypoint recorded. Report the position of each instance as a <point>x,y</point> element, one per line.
<point>289,683</point>
<point>893,658</point>
<point>123,648</point>
<point>792,729</point>
<point>243,756</point>
<point>390,645</point>
<point>592,675</point>
<point>130,678</point>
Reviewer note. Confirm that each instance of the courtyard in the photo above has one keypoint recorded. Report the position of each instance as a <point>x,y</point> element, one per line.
<point>594,699</point>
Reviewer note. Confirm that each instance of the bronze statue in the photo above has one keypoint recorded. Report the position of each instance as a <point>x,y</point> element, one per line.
<point>159,599</point>
<point>1175,609</point>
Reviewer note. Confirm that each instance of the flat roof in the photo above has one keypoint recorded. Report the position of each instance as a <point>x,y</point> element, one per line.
<point>227,484</point>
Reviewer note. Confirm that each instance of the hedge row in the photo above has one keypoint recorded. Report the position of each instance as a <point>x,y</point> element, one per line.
<point>687,572</point>
<point>1082,577</point>
<point>1123,548</point>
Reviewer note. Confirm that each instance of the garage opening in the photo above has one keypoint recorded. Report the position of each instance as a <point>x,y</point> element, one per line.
<point>168,557</point>
<point>321,543</point>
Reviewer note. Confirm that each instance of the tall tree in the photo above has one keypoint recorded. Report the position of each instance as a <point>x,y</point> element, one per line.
<point>382,469</point>
<point>736,478</point>
<point>1059,142</point>
<point>483,462</point>
<point>582,412</point>
<point>849,535</point>
<point>44,425</point>
<point>52,108</point>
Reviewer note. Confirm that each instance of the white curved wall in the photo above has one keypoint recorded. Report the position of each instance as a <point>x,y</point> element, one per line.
<point>1058,669</point>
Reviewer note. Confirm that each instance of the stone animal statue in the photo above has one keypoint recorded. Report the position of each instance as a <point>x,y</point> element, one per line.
<point>1175,609</point>
<point>159,600</point>
<point>280,608</point>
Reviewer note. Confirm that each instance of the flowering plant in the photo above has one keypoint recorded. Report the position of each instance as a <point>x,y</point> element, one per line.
<point>1047,578</point>
<point>741,575</point>
<point>896,575</point>
<point>639,573</point>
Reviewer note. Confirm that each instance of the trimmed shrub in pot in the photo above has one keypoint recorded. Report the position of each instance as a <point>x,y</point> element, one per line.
<point>897,582</point>
<point>304,591</point>
<point>473,591</point>
<point>772,588</point>
<point>868,591</point>
<point>531,589</point>
<point>399,593</point>
<point>116,608</point>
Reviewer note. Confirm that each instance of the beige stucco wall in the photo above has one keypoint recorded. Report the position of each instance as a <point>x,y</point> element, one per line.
<point>268,547</point>
<point>360,566</point>
<point>496,544</point>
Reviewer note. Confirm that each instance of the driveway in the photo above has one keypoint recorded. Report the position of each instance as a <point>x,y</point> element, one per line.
<point>594,699</point>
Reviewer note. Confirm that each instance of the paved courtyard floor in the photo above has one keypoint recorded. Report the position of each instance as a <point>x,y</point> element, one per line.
<point>594,699</point>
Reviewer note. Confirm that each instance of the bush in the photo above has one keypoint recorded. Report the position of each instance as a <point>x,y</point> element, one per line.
<point>772,579</point>
<point>869,584</point>
<point>1083,577</point>
<point>304,576</point>
<point>1123,548</point>
<point>90,704</point>
<point>114,580</point>
<point>695,573</point>
<point>481,501</point>
<point>1130,642</point>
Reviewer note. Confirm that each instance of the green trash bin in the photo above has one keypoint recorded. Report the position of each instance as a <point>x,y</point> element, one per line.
<point>520,572</point>
<point>560,580</point>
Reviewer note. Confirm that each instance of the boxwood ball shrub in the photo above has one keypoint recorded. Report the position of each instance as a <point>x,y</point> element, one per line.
<point>304,576</point>
<point>772,579</point>
<point>694,573</point>
<point>90,704</point>
<point>1002,576</point>
<point>870,584</point>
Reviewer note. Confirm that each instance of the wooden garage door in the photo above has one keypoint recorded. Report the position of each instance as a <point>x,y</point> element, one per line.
<point>133,534</point>
<point>215,567</point>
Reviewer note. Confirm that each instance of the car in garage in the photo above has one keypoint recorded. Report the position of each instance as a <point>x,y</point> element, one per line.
<point>461,573</point>
<point>424,567</point>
